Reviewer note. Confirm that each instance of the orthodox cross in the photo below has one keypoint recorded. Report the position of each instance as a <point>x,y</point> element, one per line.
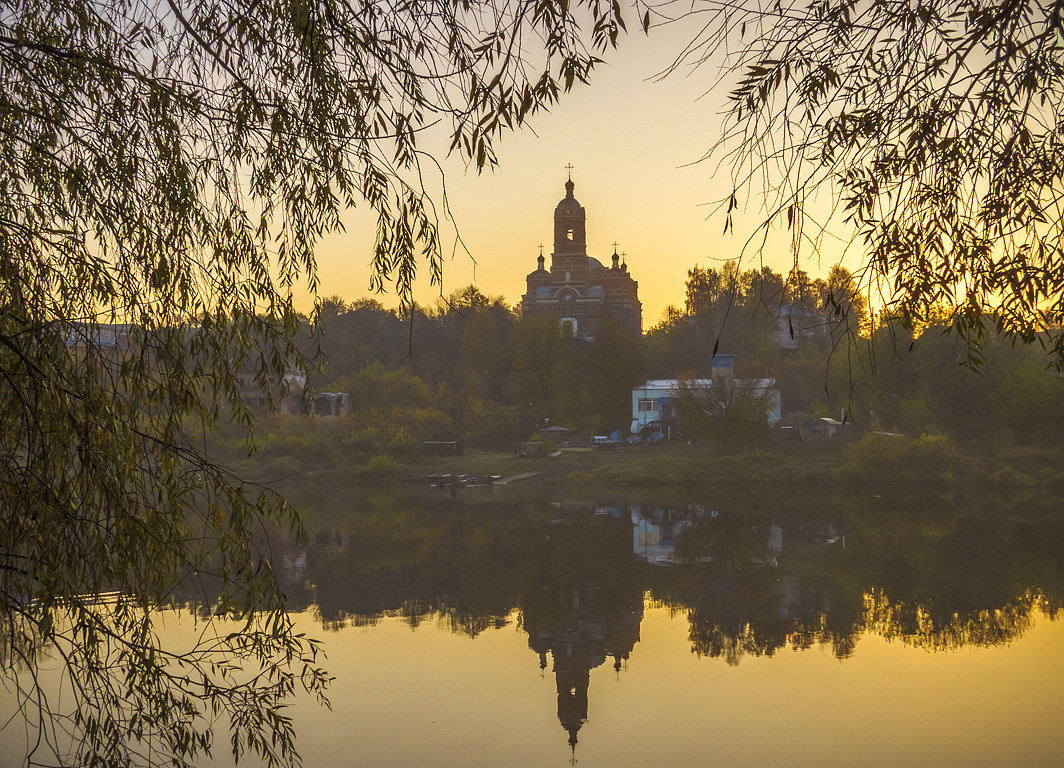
<point>569,167</point>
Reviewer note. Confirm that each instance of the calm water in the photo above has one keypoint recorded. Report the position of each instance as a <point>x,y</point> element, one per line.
<point>488,629</point>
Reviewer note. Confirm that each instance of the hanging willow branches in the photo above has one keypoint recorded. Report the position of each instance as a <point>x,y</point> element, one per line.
<point>166,170</point>
<point>937,127</point>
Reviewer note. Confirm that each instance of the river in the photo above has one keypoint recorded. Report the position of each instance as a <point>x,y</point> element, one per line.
<point>491,628</point>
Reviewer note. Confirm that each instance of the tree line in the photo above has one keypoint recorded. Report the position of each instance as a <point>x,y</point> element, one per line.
<point>472,368</point>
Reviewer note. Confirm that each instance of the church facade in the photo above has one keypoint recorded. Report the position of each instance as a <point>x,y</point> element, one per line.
<point>578,289</point>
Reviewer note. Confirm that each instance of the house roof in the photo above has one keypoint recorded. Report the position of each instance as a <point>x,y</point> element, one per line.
<point>674,383</point>
<point>704,383</point>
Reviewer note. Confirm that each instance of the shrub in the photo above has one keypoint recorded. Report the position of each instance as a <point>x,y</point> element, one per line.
<point>1010,477</point>
<point>381,464</point>
<point>886,457</point>
<point>934,453</point>
<point>402,443</point>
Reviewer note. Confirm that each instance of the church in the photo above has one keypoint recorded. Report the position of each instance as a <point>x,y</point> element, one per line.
<point>578,289</point>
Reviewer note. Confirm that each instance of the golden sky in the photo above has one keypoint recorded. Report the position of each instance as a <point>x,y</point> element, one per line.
<point>634,144</point>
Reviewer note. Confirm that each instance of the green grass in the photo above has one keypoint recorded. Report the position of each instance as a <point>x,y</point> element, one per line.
<point>310,450</point>
<point>701,466</point>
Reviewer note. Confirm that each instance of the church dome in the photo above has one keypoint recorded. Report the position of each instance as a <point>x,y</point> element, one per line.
<point>569,205</point>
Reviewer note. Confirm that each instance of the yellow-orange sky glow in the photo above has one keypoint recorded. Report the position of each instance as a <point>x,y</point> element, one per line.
<point>634,144</point>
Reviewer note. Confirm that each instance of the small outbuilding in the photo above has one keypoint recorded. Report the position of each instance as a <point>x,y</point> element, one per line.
<point>821,429</point>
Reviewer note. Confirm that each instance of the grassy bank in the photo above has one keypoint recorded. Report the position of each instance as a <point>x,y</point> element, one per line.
<point>930,462</point>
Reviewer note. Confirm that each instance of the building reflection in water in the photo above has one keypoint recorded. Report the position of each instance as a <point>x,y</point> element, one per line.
<point>577,650</point>
<point>657,529</point>
<point>588,608</point>
<point>750,583</point>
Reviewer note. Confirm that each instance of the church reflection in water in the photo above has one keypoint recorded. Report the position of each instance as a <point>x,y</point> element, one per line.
<point>589,617</point>
<point>751,582</point>
<point>577,649</point>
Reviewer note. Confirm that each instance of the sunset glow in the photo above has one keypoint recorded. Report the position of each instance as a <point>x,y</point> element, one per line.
<point>635,144</point>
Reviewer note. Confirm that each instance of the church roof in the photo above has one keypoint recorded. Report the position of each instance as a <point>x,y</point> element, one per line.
<point>568,202</point>
<point>568,207</point>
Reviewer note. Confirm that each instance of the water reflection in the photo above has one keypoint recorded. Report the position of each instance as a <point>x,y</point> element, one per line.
<point>584,605</point>
<point>680,602</point>
<point>750,580</point>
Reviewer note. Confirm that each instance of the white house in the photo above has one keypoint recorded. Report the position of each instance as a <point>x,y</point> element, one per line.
<point>656,399</point>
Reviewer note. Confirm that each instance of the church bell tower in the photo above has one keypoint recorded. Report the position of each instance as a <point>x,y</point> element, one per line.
<point>570,240</point>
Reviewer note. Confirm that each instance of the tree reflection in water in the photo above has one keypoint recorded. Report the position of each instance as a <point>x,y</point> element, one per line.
<point>751,579</point>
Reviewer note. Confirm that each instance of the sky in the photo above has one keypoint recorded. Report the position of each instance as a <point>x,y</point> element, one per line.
<point>634,143</point>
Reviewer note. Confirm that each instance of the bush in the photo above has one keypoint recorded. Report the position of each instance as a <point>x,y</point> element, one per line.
<point>381,464</point>
<point>935,453</point>
<point>402,443</point>
<point>886,457</point>
<point>1010,477</point>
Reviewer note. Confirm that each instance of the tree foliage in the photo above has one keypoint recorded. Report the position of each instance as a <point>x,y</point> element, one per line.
<point>170,167</point>
<point>752,314</point>
<point>937,126</point>
<point>728,412</point>
<point>473,370</point>
<point>910,382</point>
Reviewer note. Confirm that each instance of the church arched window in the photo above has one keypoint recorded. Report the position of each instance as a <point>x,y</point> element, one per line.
<point>567,304</point>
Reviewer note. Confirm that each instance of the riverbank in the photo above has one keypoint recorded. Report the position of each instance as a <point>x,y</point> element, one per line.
<point>930,462</point>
